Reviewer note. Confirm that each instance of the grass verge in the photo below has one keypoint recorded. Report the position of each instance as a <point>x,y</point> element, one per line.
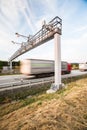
<point>17,99</point>
<point>64,110</point>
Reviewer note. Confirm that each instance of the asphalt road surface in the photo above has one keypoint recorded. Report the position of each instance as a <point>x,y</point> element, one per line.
<point>18,78</point>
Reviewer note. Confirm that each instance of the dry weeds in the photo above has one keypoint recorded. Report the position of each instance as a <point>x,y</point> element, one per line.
<point>66,112</point>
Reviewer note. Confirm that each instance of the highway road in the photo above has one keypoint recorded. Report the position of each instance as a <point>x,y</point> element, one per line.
<point>74,73</point>
<point>13,78</point>
<point>17,80</point>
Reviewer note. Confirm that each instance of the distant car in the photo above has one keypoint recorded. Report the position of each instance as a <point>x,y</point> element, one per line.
<point>42,67</point>
<point>83,66</point>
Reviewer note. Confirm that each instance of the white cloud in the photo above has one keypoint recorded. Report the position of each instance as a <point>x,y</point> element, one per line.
<point>10,17</point>
<point>74,50</point>
<point>10,13</point>
<point>27,12</point>
<point>80,29</point>
<point>20,16</point>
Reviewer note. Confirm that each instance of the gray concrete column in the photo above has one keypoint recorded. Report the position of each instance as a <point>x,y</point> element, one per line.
<point>57,53</point>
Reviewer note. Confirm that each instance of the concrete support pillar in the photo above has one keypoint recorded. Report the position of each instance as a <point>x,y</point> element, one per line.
<point>57,52</point>
<point>10,66</point>
<point>57,66</point>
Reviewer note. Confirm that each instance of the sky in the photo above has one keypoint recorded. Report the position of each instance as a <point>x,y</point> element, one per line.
<point>25,17</point>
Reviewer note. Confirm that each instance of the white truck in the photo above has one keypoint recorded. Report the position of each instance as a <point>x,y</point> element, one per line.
<point>83,66</point>
<point>42,67</point>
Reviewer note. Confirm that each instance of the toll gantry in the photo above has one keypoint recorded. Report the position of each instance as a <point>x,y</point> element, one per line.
<point>48,31</point>
<point>45,34</point>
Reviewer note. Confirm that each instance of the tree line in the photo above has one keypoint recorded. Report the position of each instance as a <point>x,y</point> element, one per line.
<point>6,63</point>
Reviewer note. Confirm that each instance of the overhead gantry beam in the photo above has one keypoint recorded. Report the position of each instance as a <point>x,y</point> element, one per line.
<point>45,34</point>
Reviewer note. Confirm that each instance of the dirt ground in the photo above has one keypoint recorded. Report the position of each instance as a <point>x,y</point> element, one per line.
<point>69,112</point>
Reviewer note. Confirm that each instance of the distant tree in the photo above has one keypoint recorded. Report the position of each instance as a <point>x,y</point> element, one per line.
<point>5,63</point>
<point>1,64</point>
<point>75,65</point>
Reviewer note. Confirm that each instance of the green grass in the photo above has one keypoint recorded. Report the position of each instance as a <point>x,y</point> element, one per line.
<point>4,74</point>
<point>37,95</point>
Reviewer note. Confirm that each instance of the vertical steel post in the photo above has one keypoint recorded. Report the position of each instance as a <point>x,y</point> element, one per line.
<point>10,66</point>
<point>57,66</point>
<point>57,52</point>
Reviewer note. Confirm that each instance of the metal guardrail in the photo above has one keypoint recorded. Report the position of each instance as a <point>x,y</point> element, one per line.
<point>23,83</point>
<point>27,83</point>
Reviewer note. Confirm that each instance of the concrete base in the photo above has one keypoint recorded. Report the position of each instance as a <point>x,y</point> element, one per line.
<point>55,88</point>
